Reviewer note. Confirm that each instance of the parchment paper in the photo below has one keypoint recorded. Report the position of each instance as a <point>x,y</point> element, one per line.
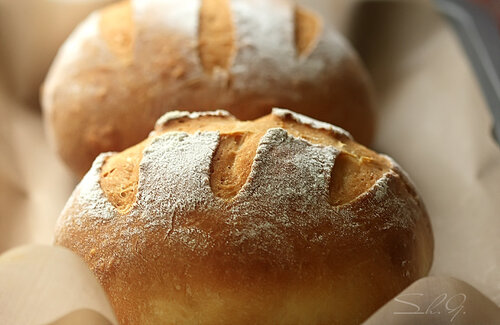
<point>432,119</point>
<point>56,286</point>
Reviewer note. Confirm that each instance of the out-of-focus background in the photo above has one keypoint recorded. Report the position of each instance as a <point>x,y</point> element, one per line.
<point>435,117</point>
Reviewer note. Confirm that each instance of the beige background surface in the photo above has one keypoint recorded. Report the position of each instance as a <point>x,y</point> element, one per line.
<point>432,119</point>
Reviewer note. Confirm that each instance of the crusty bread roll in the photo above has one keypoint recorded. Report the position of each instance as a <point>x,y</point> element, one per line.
<point>129,63</point>
<point>281,220</point>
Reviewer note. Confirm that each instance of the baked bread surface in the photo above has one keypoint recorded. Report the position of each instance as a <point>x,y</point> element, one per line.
<point>129,63</point>
<point>281,220</point>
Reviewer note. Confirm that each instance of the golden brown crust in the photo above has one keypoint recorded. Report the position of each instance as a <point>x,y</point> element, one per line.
<point>283,236</point>
<point>130,63</point>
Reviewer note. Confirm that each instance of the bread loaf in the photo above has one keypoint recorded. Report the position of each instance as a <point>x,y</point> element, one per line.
<point>129,63</point>
<point>281,220</point>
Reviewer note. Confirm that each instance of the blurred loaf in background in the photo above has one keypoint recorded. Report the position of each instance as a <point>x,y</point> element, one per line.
<point>129,63</point>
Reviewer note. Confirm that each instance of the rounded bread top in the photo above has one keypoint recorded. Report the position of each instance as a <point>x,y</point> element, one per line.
<point>265,179</point>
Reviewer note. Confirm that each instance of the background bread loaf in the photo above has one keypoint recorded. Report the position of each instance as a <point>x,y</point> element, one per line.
<point>281,220</point>
<point>129,63</point>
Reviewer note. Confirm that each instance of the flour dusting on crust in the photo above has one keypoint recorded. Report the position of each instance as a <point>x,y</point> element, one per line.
<point>174,115</point>
<point>282,112</point>
<point>287,171</point>
<point>90,196</point>
<point>289,180</point>
<point>91,193</point>
<point>283,207</point>
<point>174,176</point>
